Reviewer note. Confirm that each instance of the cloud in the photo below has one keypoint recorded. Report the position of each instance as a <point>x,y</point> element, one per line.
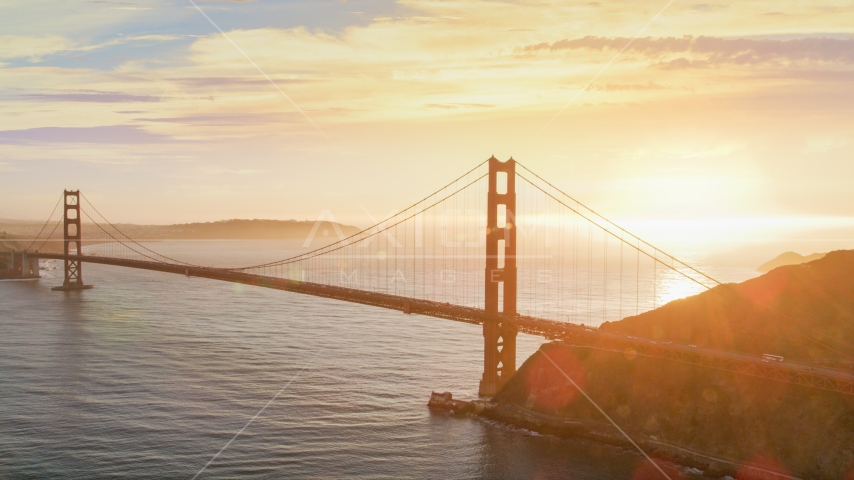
<point>111,134</point>
<point>87,97</point>
<point>232,81</point>
<point>708,51</point>
<point>708,7</point>
<point>32,48</point>
<point>35,48</point>
<point>626,87</point>
<point>227,119</point>
<point>450,106</point>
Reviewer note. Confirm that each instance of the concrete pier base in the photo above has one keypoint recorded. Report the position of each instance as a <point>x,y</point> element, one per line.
<point>72,287</point>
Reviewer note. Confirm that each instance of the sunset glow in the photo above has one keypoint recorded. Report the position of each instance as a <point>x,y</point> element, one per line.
<point>716,111</point>
<point>370,239</point>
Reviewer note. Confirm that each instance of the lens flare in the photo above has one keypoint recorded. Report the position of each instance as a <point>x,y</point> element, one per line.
<point>547,388</point>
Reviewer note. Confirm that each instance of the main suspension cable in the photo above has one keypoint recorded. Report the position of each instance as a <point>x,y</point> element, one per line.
<point>640,250</point>
<point>132,240</point>
<point>338,245</point>
<point>48,221</point>
<point>58,223</point>
<point>345,240</point>
<point>728,288</point>
<point>119,241</point>
<point>614,224</point>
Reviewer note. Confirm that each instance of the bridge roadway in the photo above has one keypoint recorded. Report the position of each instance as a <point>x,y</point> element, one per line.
<point>570,334</point>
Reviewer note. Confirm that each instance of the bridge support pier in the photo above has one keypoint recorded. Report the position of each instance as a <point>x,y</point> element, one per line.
<point>73,236</point>
<point>499,335</point>
<point>20,266</point>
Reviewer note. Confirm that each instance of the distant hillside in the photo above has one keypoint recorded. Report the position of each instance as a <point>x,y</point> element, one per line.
<point>221,230</point>
<point>239,230</point>
<point>9,245</point>
<point>788,258</point>
<point>801,311</point>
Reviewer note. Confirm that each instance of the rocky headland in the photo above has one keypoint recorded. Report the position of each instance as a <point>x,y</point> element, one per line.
<point>718,421</point>
<point>788,258</point>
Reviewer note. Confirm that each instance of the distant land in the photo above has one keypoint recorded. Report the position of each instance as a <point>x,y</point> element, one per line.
<point>234,229</point>
<point>239,230</point>
<point>7,244</point>
<point>803,312</point>
<point>788,258</point>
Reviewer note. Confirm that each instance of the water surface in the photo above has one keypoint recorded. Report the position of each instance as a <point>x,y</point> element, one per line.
<point>150,374</point>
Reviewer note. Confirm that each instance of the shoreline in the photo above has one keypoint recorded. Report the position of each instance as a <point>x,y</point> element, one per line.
<point>711,466</point>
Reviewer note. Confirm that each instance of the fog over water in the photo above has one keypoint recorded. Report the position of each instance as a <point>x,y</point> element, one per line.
<point>149,375</point>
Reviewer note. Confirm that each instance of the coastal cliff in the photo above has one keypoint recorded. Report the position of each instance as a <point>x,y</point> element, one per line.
<point>715,420</point>
<point>803,312</point>
<point>724,420</point>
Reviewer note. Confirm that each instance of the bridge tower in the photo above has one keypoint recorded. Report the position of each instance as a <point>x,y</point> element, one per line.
<point>499,336</point>
<point>72,236</point>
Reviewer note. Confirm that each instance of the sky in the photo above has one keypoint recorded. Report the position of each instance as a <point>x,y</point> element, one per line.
<point>721,119</point>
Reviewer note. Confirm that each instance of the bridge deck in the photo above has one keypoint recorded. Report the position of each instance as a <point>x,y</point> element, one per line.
<point>790,372</point>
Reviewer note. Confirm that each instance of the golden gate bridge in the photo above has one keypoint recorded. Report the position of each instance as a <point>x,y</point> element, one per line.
<point>498,246</point>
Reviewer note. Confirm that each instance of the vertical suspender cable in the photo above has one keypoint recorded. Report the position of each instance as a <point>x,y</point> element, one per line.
<point>621,275</point>
<point>637,280</point>
<point>589,273</point>
<point>575,267</point>
<point>654,280</point>
<point>605,277</point>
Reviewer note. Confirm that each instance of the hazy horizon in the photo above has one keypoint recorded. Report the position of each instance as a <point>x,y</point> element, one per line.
<point>750,240</point>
